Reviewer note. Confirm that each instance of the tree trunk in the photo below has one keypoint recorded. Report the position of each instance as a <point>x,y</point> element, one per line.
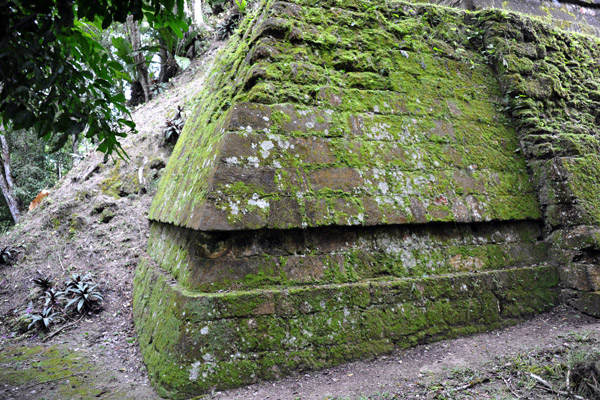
<point>75,146</point>
<point>141,67</point>
<point>164,58</point>
<point>6,180</point>
<point>137,94</point>
<point>198,13</point>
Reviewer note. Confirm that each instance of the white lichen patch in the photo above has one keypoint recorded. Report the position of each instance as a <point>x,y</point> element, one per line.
<point>358,220</point>
<point>234,209</point>
<point>265,148</point>
<point>256,201</point>
<point>194,370</point>
<point>380,131</point>
<point>383,188</point>
<point>232,160</point>
<point>253,161</point>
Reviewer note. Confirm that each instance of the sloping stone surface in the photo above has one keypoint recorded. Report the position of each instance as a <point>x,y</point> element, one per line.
<point>342,117</point>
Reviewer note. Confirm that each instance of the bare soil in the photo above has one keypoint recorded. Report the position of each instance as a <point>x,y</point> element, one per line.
<point>95,221</point>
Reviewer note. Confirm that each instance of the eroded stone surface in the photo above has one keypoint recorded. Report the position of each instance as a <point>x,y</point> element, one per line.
<point>247,260</point>
<point>411,132</point>
<point>582,16</point>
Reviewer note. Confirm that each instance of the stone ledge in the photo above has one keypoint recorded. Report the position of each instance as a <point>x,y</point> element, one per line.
<point>210,262</point>
<point>193,342</point>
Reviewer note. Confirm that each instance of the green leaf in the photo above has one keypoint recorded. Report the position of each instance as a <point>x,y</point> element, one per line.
<point>87,75</point>
<point>178,27</point>
<point>102,82</point>
<point>103,147</point>
<point>115,65</point>
<point>129,123</point>
<point>55,100</point>
<point>118,98</point>
<point>71,302</point>
<point>21,89</point>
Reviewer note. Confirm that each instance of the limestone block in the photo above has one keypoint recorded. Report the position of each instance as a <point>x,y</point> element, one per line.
<point>575,276</point>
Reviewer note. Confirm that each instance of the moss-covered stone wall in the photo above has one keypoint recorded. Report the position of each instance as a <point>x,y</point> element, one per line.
<point>193,342</point>
<point>218,261</point>
<point>581,16</point>
<point>352,117</point>
<point>552,82</point>
<point>406,172</point>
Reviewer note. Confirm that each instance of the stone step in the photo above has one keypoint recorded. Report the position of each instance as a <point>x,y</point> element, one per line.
<point>194,342</point>
<point>216,261</point>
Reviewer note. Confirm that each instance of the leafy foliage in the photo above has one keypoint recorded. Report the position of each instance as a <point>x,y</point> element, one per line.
<point>57,78</point>
<point>217,6</point>
<point>34,166</point>
<point>173,127</point>
<point>76,279</point>
<point>7,255</point>
<point>43,282</point>
<point>158,87</point>
<point>79,292</point>
<point>228,25</point>
<point>123,52</point>
<point>241,5</point>
<point>42,320</point>
<point>176,51</point>
<point>53,297</point>
<point>85,297</point>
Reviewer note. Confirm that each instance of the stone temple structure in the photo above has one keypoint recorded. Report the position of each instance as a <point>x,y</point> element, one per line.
<point>361,176</point>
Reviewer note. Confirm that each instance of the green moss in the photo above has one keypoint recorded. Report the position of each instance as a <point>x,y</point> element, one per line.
<point>106,215</point>
<point>71,373</point>
<point>120,183</point>
<point>584,184</point>
<point>403,88</point>
<point>229,339</point>
<point>430,251</point>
